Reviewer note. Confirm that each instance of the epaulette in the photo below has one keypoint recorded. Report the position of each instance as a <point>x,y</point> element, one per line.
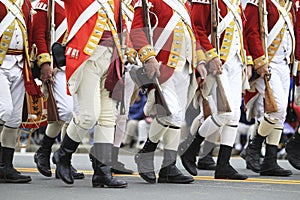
<point>254,2</point>
<point>201,1</point>
<point>41,6</point>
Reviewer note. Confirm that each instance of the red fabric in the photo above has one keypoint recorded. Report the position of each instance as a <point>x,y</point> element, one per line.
<point>249,95</point>
<point>297,29</point>
<point>40,26</point>
<point>139,39</point>
<point>73,10</point>
<point>252,28</point>
<point>202,23</point>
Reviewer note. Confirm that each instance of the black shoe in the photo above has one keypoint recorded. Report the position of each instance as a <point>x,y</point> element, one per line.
<point>278,171</point>
<point>8,174</point>
<point>144,166</point>
<point>269,167</point>
<point>43,163</point>
<point>293,151</point>
<point>171,174</point>
<point>119,168</point>
<point>63,170</point>
<point>145,161</point>
<point>75,174</point>
<point>206,163</point>
<point>228,172</point>
<point>188,150</point>
<point>103,178</point>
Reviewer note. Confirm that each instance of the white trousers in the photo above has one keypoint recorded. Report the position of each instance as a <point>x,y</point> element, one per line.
<point>94,102</point>
<point>63,100</point>
<point>280,83</point>
<point>11,96</point>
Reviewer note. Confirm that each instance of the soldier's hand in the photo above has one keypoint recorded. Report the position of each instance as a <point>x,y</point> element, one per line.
<point>215,66</point>
<point>46,73</point>
<point>152,68</point>
<point>203,73</point>
<point>264,70</point>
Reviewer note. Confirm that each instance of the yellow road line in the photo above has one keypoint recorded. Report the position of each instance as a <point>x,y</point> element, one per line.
<point>199,178</point>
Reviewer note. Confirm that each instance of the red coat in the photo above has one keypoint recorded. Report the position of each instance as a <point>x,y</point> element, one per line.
<point>29,83</point>
<point>297,30</point>
<point>138,37</point>
<point>252,28</point>
<point>79,41</point>
<point>26,8</point>
<point>202,22</point>
<point>40,24</point>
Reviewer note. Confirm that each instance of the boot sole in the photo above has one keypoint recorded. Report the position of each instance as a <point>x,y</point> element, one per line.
<point>97,185</point>
<point>15,181</point>
<point>230,177</point>
<point>167,180</point>
<point>152,181</point>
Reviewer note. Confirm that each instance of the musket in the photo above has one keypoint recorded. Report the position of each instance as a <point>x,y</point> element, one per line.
<point>159,97</point>
<point>122,42</point>
<point>222,101</point>
<point>52,111</point>
<point>269,101</point>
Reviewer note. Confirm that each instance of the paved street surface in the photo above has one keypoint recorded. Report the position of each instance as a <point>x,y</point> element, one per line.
<point>204,187</point>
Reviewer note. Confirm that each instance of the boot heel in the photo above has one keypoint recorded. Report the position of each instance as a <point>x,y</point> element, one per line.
<point>98,185</point>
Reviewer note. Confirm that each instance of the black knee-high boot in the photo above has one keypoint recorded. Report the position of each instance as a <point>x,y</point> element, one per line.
<point>42,156</point>
<point>117,166</point>
<point>253,151</point>
<point>145,161</point>
<point>169,173</point>
<point>224,170</point>
<point>269,167</point>
<point>62,158</point>
<point>188,151</point>
<point>102,170</point>
<point>207,162</point>
<point>293,150</point>
<point>8,174</point>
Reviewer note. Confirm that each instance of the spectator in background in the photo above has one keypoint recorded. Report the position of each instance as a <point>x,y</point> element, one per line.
<point>138,124</point>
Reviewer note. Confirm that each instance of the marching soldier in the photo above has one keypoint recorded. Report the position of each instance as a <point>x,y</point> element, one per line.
<point>293,144</point>
<point>275,57</point>
<point>174,46</point>
<point>226,58</point>
<point>15,38</point>
<point>93,57</point>
<point>57,76</point>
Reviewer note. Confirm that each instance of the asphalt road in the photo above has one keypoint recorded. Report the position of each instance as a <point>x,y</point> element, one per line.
<point>204,187</point>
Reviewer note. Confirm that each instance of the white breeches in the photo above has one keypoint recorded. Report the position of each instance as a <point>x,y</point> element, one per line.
<point>63,100</point>
<point>280,83</point>
<point>232,83</point>
<point>175,91</point>
<point>11,96</point>
<point>93,99</point>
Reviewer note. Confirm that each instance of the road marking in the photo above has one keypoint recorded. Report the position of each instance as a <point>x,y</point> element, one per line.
<point>198,178</point>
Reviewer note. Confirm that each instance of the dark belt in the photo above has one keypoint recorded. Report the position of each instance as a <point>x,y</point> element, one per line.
<point>14,52</point>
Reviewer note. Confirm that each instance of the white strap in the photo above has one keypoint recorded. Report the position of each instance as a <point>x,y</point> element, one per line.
<point>15,10</point>
<point>61,29</point>
<point>61,3</point>
<point>180,9</point>
<point>109,12</point>
<point>85,15</point>
<point>285,14</point>
<point>7,20</point>
<point>127,11</point>
<point>224,23</point>
<point>161,41</point>
<point>233,9</point>
<point>275,31</point>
